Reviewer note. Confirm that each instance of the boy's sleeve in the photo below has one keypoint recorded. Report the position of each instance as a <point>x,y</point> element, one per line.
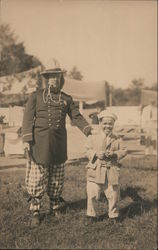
<point>121,150</point>
<point>90,151</point>
<point>28,119</point>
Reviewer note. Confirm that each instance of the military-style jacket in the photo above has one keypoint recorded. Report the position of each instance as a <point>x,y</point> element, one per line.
<point>44,126</point>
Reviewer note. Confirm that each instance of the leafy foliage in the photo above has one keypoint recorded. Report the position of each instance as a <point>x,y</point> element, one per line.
<point>129,96</point>
<point>75,74</point>
<point>13,58</point>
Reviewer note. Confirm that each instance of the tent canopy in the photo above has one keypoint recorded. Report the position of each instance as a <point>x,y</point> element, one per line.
<point>85,91</point>
<point>147,96</point>
<point>79,90</point>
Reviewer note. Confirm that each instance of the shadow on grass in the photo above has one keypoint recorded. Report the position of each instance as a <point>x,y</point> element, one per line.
<point>138,204</point>
<point>136,207</point>
<point>70,206</point>
<point>82,205</point>
<point>77,205</point>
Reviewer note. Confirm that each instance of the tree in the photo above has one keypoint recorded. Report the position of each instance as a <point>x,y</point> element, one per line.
<point>7,37</point>
<point>13,58</point>
<point>75,74</point>
<point>153,87</point>
<point>135,90</point>
<point>130,96</point>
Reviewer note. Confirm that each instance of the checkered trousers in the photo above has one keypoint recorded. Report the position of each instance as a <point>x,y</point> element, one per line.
<point>40,179</point>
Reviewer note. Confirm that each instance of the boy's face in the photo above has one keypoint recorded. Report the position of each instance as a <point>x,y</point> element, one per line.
<point>107,125</point>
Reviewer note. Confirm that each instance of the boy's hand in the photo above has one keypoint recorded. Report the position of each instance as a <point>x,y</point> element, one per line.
<point>111,155</point>
<point>100,155</point>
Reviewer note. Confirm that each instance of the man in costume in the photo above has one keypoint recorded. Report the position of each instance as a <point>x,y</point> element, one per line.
<point>45,137</point>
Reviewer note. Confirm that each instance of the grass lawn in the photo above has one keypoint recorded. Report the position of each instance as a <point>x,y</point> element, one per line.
<point>138,211</point>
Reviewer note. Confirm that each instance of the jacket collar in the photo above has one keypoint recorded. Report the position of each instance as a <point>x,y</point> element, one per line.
<point>109,139</point>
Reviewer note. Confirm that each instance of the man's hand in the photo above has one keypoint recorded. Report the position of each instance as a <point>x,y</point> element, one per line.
<point>94,131</point>
<point>26,146</point>
<point>100,155</point>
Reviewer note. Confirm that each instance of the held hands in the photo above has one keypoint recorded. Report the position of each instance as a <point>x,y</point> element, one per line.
<point>94,131</point>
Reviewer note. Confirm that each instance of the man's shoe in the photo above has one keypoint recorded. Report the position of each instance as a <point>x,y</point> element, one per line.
<point>61,203</point>
<point>59,208</point>
<point>90,220</point>
<point>55,212</point>
<point>35,222</point>
<point>61,199</point>
<point>52,212</point>
<point>114,221</point>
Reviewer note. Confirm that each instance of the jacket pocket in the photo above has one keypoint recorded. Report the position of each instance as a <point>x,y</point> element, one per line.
<point>114,176</point>
<point>97,174</point>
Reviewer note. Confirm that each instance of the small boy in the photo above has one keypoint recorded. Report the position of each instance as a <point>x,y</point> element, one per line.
<point>104,151</point>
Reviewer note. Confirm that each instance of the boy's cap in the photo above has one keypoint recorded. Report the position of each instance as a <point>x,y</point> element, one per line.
<point>107,114</point>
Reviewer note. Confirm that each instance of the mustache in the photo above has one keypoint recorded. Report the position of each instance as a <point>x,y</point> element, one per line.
<point>52,82</point>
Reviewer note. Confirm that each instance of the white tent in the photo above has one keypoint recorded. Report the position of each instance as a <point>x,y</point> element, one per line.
<point>79,90</point>
<point>85,91</point>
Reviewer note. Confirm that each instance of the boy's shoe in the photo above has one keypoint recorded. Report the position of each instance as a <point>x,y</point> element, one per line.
<point>35,222</point>
<point>90,220</point>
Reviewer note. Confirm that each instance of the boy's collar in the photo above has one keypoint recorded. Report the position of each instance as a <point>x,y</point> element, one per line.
<point>103,135</point>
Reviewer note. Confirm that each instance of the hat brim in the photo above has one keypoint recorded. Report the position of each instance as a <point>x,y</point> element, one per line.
<point>51,72</point>
<point>107,118</point>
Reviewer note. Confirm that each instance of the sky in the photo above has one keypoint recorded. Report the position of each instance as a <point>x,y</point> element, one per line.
<point>114,41</point>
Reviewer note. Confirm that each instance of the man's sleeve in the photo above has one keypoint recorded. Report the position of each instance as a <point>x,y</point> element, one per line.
<point>78,119</point>
<point>28,119</point>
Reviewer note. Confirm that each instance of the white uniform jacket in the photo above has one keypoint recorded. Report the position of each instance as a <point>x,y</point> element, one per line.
<point>108,169</point>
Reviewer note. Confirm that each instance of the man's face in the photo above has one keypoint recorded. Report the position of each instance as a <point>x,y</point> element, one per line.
<point>107,125</point>
<point>54,81</point>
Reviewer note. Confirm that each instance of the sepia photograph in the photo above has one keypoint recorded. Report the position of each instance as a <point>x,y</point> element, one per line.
<point>78,124</point>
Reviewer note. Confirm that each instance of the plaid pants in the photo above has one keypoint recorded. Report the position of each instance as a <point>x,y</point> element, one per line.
<point>40,179</point>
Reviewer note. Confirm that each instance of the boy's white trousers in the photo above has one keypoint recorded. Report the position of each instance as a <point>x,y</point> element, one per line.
<point>112,193</point>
